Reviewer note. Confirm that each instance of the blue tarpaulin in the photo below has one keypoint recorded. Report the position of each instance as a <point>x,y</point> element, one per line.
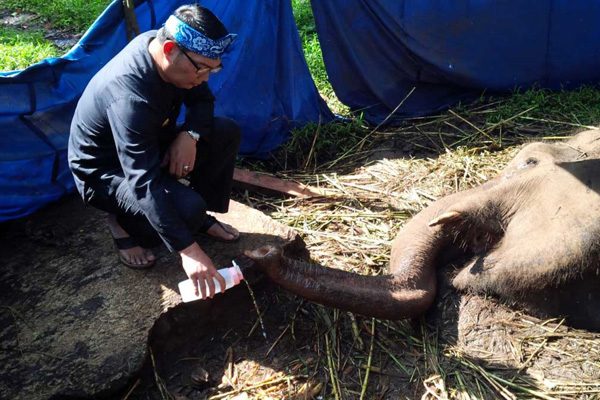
<point>265,86</point>
<point>383,57</point>
<point>377,51</point>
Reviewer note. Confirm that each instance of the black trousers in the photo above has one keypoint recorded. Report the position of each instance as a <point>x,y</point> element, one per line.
<point>209,189</point>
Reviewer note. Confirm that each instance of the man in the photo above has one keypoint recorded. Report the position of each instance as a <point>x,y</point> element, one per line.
<point>127,153</point>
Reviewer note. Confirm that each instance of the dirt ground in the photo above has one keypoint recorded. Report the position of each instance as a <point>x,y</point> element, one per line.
<point>309,351</point>
<point>465,346</point>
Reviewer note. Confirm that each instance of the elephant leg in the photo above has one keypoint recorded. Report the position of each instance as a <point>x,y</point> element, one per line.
<point>521,264</point>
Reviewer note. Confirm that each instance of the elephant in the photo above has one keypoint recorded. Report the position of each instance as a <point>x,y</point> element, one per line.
<point>530,236</point>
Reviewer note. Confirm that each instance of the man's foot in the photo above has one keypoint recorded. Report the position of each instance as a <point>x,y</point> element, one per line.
<point>220,231</point>
<point>130,253</point>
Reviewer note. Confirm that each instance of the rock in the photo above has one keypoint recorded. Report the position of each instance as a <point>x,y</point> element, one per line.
<point>73,320</point>
<point>200,376</point>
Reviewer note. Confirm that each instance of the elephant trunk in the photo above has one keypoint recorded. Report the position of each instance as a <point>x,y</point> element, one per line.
<point>385,296</point>
<point>410,287</point>
<point>408,291</point>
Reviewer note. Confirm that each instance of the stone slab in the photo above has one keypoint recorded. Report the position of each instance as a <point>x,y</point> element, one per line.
<point>73,320</point>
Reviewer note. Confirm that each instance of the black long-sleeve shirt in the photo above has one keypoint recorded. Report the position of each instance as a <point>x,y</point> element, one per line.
<point>122,116</point>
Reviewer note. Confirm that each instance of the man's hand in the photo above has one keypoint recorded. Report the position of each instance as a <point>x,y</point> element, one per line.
<point>181,155</point>
<point>199,268</point>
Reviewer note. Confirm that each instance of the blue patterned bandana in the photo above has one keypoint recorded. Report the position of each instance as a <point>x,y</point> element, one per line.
<point>195,41</point>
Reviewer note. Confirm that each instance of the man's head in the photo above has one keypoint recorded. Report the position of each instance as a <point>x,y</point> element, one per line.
<point>192,42</point>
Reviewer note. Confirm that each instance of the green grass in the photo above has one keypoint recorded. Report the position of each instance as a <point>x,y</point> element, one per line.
<point>75,15</point>
<point>307,30</point>
<point>579,107</point>
<point>19,49</point>
<point>302,151</point>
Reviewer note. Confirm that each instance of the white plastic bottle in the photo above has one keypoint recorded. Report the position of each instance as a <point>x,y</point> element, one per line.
<point>232,275</point>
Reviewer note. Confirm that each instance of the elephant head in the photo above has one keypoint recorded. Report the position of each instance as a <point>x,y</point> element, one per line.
<point>531,235</point>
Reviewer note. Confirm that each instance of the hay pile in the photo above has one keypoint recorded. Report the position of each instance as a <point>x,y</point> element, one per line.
<point>468,347</point>
<point>497,352</point>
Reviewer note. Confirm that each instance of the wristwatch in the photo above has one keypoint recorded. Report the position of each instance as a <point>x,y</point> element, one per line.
<point>194,135</point>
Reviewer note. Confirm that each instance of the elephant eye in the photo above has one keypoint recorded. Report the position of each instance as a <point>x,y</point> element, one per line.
<point>531,161</point>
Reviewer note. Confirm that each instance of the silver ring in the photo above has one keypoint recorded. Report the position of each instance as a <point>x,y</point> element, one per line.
<point>186,167</point>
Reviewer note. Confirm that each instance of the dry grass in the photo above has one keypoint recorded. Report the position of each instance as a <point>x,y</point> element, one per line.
<point>507,355</point>
<point>354,227</point>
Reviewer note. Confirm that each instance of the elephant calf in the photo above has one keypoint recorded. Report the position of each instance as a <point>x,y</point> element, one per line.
<point>531,235</point>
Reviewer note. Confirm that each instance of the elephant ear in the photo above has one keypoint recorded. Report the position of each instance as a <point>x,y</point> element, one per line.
<point>449,217</point>
<point>552,232</point>
<point>474,223</point>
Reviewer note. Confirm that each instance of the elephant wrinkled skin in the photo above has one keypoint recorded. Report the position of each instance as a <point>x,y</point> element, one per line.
<point>531,236</point>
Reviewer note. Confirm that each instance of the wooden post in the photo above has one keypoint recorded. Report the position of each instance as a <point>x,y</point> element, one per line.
<point>269,184</point>
<point>131,24</point>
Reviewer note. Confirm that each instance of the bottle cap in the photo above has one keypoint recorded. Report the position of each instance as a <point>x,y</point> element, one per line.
<point>237,270</point>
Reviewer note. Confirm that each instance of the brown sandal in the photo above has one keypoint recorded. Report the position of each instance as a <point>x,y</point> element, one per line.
<point>126,243</point>
<point>209,221</point>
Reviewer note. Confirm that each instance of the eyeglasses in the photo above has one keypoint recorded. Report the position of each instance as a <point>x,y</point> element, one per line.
<point>201,70</point>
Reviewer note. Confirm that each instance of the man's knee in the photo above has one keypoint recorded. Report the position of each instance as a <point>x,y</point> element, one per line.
<point>194,210</point>
<point>227,130</point>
